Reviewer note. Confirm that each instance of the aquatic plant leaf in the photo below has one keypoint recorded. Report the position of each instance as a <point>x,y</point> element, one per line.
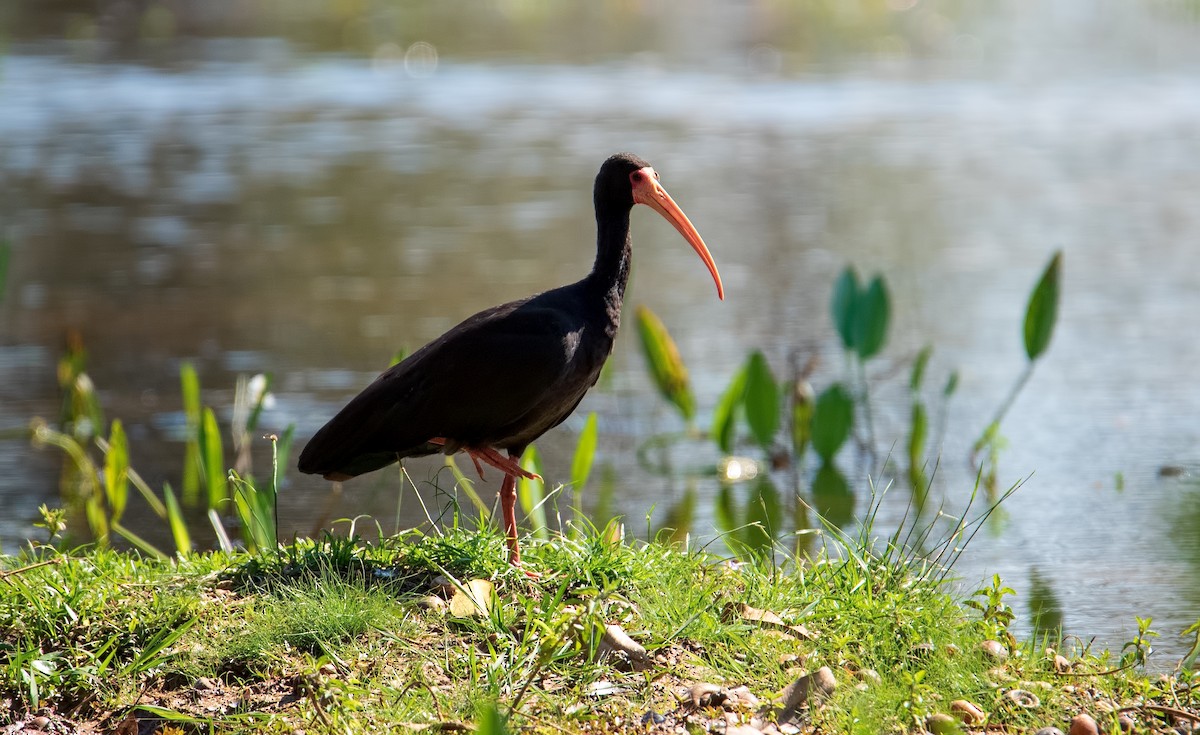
<point>951,384</point>
<point>803,405</point>
<point>844,305</point>
<point>916,437</point>
<point>212,456</point>
<point>833,418</point>
<point>176,522</point>
<point>761,400</point>
<point>918,371</point>
<point>666,366</point>
<point>116,471</point>
<point>190,385</point>
<point>585,454</point>
<point>872,313</point>
<point>1042,311</point>
<point>724,426</point>
<point>532,493</point>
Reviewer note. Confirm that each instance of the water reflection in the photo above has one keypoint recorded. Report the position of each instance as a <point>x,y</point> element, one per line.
<point>262,206</point>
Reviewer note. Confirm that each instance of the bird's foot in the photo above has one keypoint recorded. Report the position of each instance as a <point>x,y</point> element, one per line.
<point>508,465</point>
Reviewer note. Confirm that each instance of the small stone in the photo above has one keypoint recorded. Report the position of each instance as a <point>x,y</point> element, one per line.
<point>1083,724</point>
<point>327,669</point>
<point>742,730</point>
<point>869,676</point>
<point>994,650</point>
<point>616,639</point>
<point>942,724</point>
<point>1126,723</point>
<point>41,722</point>
<point>1023,698</point>
<point>1062,664</point>
<point>817,686</point>
<point>433,603</point>
<point>706,695</point>
<point>1049,731</point>
<point>743,696</point>
<point>969,712</point>
<point>923,650</point>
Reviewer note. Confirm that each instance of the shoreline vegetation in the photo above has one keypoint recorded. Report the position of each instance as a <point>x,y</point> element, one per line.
<point>436,632</point>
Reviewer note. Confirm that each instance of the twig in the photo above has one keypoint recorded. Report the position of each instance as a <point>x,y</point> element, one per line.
<point>1164,709</point>
<point>12,572</point>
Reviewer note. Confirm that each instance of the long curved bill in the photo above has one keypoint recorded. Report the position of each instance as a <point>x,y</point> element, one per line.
<point>647,190</point>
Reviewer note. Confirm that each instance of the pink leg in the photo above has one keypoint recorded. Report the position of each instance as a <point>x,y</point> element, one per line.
<point>508,509</point>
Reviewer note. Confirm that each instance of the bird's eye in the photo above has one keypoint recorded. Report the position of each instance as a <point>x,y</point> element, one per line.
<point>637,177</point>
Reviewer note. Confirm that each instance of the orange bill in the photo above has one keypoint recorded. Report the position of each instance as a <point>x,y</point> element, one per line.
<point>647,190</point>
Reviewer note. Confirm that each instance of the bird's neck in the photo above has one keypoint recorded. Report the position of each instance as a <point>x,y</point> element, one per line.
<point>610,273</point>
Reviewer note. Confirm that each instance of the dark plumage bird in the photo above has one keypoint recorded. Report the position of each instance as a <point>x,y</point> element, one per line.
<point>508,374</point>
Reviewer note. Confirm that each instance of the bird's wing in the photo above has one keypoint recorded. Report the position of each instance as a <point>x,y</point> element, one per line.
<point>484,374</point>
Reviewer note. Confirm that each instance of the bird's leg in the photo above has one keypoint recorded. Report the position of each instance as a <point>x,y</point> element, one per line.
<point>508,509</point>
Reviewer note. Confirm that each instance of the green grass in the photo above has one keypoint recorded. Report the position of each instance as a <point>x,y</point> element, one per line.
<point>337,635</point>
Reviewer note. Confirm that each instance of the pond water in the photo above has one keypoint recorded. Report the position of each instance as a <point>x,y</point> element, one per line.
<point>254,195</point>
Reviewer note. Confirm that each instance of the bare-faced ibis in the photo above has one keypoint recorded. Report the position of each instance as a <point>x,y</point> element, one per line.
<point>505,376</point>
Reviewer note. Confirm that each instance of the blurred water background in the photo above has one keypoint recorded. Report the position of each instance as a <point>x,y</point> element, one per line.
<point>304,188</point>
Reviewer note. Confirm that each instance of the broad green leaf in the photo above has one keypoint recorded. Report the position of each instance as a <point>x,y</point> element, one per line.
<point>871,316</point>
<point>844,304</point>
<point>1042,312</point>
<point>116,471</point>
<point>531,493</point>
<point>832,496</point>
<point>724,426</point>
<point>666,366</point>
<point>832,420</point>
<point>175,519</point>
<point>212,455</point>
<point>761,400</point>
<point>918,371</point>
<point>585,454</point>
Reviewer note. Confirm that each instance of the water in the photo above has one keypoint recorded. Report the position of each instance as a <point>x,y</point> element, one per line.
<point>301,206</point>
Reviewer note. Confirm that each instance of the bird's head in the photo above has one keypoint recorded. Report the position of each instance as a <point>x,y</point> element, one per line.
<point>625,180</point>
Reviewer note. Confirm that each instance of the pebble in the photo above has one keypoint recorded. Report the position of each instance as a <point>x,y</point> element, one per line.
<point>1061,664</point>
<point>1049,731</point>
<point>707,695</point>
<point>1126,722</point>
<point>41,722</point>
<point>1023,698</point>
<point>205,684</point>
<point>942,724</point>
<point>1083,724</point>
<point>994,650</point>
<point>432,602</point>
<point>742,730</point>
<point>969,712</point>
<point>327,669</point>
<point>817,686</point>
<point>616,639</point>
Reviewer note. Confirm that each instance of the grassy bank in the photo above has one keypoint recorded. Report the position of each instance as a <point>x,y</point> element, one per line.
<point>437,632</point>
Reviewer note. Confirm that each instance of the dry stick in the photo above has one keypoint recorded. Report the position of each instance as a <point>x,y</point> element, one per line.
<point>1164,709</point>
<point>12,572</point>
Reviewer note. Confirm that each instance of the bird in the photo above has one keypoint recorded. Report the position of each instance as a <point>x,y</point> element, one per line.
<point>510,373</point>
